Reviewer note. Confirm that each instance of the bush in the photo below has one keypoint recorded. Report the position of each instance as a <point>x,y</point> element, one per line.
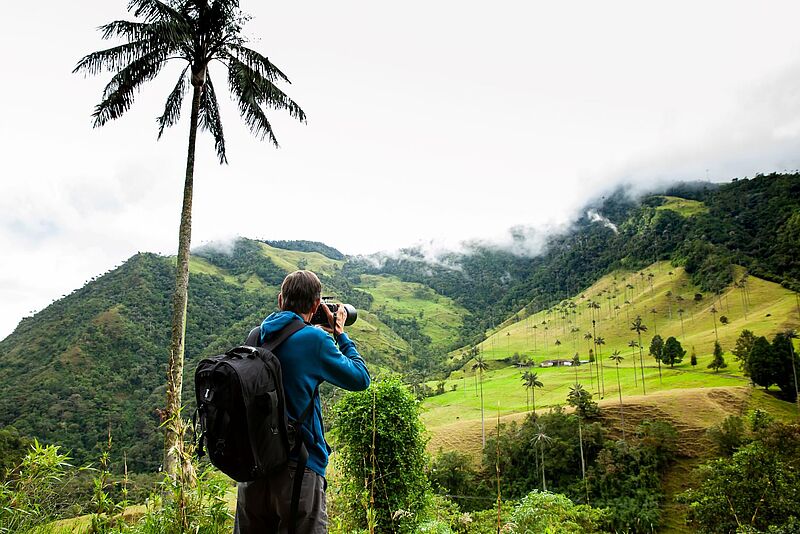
<point>452,473</point>
<point>33,494</point>
<point>204,509</point>
<point>556,514</point>
<point>759,483</point>
<point>728,436</point>
<point>382,453</point>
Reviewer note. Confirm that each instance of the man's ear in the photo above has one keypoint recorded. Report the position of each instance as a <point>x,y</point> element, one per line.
<point>280,301</point>
<point>315,306</point>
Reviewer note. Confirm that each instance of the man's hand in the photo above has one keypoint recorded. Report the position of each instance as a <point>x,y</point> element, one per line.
<point>339,318</point>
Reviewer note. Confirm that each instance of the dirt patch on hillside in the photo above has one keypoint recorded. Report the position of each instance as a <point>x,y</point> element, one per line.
<point>690,411</point>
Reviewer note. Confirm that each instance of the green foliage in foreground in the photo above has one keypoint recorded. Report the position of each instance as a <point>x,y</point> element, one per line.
<point>35,491</point>
<point>382,449</point>
<point>38,493</point>
<point>623,477</point>
<point>556,514</point>
<point>755,490</point>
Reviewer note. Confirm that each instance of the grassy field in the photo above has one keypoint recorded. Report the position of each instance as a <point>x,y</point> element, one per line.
<point>766,309</point>
<point>438,316</point>
<point>291,260</point>
<point>683,206</point>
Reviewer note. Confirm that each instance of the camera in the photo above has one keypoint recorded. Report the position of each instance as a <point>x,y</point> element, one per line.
<point>321,318</point>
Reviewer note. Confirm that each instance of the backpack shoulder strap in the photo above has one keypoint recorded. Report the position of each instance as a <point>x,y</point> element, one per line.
<point>282,335</point>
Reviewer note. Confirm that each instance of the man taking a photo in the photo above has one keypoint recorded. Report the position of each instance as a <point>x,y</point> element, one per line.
<point>309,357</point>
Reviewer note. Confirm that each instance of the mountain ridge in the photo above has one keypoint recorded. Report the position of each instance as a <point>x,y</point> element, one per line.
<point>95,360</point>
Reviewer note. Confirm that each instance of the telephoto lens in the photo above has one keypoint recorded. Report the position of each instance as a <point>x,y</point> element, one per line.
<point>321,318</point>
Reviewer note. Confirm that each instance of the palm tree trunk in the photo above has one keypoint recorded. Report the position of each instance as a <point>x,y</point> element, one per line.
<point>641,364</point>
<point>483,428</point>
<point>173,441</point>
<point>544,484</point>
<point>621,410</point>
<point>583,463</point>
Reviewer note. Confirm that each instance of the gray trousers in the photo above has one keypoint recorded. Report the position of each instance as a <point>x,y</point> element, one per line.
<point>262,506</point>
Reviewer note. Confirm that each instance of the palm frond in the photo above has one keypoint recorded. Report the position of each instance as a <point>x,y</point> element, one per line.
<point>119,93</point>
<point>210,118</point>
<point>133,31</point>
<point>172,109</point>
<point>253,91</point>
<point>114,58</point>
<point>151,10</point>
<point>258,63</point>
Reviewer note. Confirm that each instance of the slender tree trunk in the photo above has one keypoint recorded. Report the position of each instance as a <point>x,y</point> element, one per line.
<point>483,428</point>
<point>641,364</point>
<point>583,463</point>
<point>621,410</point>
<point>794,373</point>
<point>173,441</point>
<point>544,484</point>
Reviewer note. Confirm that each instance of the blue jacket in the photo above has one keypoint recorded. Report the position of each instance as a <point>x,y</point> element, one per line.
<point>308,358</point>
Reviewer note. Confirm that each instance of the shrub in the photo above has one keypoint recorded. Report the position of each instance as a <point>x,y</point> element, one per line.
<point>176,509</point>
<point>382,453</point>
<point>556,514</point>
<point>728,436</point>
<point>34,492</point>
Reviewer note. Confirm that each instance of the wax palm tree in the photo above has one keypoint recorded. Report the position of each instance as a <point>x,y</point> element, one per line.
<point>617,357</point>
<point>525,379</point>
<point>655,324</point>
<point>792,335</point>
<point>633,345</point>
<point>480,366</point>
<point>714,312</point>
<point>681,311</point>
<point>576,362</point>
<point>599,341</point>
<point>639,327</point>
<point>532,383</point>
<point>589,338</point>
<point>541,439</point>
<point>196,32</point>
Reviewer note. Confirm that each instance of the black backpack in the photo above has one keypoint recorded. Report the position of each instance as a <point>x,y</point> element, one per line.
<point>242,412</point>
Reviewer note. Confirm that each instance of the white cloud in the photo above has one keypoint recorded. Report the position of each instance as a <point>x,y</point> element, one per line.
<point>441,123</point>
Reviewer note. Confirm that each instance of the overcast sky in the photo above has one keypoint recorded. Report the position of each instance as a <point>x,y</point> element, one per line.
<point>428,120</point>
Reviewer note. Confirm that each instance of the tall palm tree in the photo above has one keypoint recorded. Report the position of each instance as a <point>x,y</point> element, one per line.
<point>792,335</point>
<point>525,380</point>
<point>589,338</point>
<point>541,439</point>
<point>480,366</point>
<point>633,345</point>
<point>714,312</point>
<point>196,33</point>
<point>532,383</point>
<point>639,327</point>
<point>599,341</point>
<point>681,311</point>
<point>617,357</point>
<point>655,324</point>
<point>576,361</point>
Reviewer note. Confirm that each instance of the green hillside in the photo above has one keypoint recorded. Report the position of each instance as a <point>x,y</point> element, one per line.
<point>682,206</point>
<point>96,359</point>
<point>560,332</point>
